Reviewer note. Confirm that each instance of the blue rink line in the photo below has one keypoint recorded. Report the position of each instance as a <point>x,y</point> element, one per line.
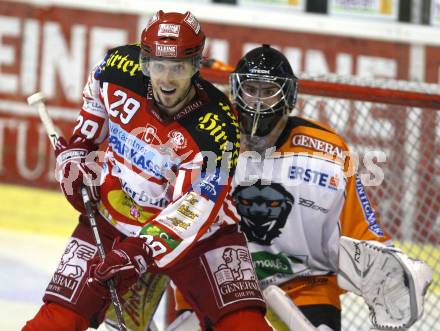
<point>21,282</point>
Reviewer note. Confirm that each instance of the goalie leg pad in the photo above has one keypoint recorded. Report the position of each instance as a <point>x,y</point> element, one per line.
<point>392,284</point>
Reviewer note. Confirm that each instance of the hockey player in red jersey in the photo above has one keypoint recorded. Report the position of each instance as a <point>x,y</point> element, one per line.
<point>162,192</point>
<point>311,228</point>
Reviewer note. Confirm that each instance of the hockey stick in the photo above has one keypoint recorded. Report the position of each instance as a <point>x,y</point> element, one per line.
<point>110,283</point>
<point>38,99</point>
<point>286,310</point>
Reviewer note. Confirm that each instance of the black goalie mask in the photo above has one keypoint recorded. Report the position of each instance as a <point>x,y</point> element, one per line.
<point>263,90</point>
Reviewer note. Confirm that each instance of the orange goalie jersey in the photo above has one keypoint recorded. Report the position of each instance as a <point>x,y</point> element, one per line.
<point>295,204</point>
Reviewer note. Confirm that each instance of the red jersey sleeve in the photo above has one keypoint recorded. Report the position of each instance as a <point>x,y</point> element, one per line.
<point>92,121</point>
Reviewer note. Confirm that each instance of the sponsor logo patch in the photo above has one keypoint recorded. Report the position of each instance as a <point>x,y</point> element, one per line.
<point>191,20</point>
<point>317,145</point>
<point>143,197</point>
<point>73,154</point>
<point>94,107</point>
<point>233,275</point>
<point>177,139</point>
<point>210,185</point>
<point>369,213</point>
<point>71,270</point>
<point>123,63</point>
<point>137,152</point>
<point>168,30</point>
<point>259,71</point>
<point>176,222</point>
<point>312,205</point>
<point>311,176</point>
<point>267,264</point>
<point>166,50</point>
<point>273,267</point>
<point>215,126</point>
<point>153,233</point>
<point>186,211</point>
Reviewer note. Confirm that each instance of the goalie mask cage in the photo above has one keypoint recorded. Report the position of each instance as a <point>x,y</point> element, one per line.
<point>401,120</point>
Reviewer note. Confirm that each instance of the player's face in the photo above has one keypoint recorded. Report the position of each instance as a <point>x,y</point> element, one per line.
<point>261,95</point>
<point>171,81</point>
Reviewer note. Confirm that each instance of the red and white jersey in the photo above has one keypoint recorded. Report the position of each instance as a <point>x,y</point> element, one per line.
<point>295,205</point>
<point>164,177</point>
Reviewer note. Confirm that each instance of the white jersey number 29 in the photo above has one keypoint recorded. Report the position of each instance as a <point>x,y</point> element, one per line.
<point>124,107</point>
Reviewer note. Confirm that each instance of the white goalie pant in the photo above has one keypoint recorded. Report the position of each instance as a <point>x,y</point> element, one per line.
<point>392,284</point>
<point>288,312</point>
<point>187,321</point>
<point>275,298</point>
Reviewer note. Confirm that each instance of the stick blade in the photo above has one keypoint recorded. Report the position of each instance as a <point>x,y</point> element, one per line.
<point>35,98</point>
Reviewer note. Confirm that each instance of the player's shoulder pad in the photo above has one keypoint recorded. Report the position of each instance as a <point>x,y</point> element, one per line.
<point>120,66</point>
<point>216,124</point>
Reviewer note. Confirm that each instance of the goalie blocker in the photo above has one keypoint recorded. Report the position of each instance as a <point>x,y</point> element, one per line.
<point>392,284</point>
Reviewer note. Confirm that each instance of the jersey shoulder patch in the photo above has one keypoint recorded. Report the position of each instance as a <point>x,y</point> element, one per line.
<point>304,135</point>
<point>214,126</point>
<point>121,67</point>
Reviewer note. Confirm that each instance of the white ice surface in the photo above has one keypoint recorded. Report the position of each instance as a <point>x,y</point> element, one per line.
<point>26,265</point>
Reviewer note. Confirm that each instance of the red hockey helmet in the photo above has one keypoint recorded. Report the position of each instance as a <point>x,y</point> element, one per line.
<point>172,36</point>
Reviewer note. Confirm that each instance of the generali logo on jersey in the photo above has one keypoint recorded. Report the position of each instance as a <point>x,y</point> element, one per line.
<point>233,274</point>
<point>71,270</point>
<point>168,30</point>
<point>317,145</point>
<point>166,50</point>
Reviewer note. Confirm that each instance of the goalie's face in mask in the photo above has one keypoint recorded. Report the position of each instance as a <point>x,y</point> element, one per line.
<point>261,95</point>
<point>260,114</point>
